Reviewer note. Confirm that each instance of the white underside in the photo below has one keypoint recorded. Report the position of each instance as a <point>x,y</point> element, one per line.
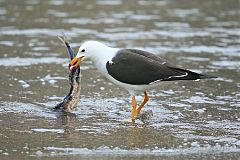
<point>132,89</point>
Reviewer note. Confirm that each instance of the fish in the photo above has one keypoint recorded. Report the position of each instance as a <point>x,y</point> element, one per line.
<point>71,100</point>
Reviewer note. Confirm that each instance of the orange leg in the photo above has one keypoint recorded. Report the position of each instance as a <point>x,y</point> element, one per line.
<point>143,103</point>
<point>134,106</point>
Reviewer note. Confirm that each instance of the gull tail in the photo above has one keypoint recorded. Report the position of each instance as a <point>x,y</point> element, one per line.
<point>183,74</point>
<point>206,76</point>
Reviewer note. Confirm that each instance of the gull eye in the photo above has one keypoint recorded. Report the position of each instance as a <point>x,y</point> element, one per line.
<point>83,50</point>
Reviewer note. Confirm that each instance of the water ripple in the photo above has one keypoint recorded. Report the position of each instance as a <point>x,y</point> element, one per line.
<point>17,61</point>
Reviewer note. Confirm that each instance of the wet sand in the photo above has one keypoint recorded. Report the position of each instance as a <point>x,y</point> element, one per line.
<point>191,120</point>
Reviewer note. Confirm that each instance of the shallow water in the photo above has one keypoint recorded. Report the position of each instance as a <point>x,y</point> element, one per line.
<point>191,120</point>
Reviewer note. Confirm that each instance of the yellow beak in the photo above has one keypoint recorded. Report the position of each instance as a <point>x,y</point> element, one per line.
<point>75,62</point>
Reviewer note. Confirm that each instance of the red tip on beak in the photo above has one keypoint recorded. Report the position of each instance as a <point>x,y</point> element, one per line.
<point>74,63</point>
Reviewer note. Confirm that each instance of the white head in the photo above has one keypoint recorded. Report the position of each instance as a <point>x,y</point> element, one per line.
<point>93,50</point>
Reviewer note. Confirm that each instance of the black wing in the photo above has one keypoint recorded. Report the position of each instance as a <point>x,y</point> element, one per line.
<point>139,67</point>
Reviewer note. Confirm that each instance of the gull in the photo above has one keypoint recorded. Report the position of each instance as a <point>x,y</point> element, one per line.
<point>132,69</point>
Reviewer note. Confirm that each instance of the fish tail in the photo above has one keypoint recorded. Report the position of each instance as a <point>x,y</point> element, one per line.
<point>63,38</point>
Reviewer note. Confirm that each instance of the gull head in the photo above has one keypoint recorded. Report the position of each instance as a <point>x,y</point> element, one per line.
<point>89,49</point>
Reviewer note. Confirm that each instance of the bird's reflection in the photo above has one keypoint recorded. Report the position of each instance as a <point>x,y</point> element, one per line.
<point>67,120</point>
<point>135,137</point>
